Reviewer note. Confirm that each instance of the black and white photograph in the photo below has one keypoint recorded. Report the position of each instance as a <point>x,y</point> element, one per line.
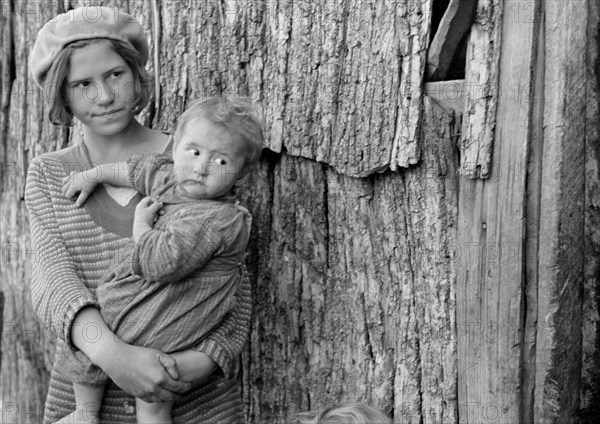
<point>299,212</point>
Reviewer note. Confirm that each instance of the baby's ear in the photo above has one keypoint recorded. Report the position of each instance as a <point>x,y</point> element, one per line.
<point>245,171</point>
<point>241,178</point>
<point>240,175</point>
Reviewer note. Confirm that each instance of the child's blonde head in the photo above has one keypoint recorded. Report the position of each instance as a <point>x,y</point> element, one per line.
<point>231,115</point>
<point>352,413</point>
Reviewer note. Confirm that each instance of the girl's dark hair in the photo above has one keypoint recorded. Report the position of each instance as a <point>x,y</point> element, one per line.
<point>55,90</point>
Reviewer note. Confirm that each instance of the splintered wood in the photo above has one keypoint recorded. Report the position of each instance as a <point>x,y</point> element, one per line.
<point>482,88</point>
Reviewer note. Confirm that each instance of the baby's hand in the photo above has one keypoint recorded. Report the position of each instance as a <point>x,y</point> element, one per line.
<point>146,210</point>
<point>78,184</point>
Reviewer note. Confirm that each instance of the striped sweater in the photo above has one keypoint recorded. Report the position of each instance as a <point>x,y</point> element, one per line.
<point>74,248</point>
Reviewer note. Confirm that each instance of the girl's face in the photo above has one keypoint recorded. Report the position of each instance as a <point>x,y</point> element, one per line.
<point>207,160</point>
<point>100,88</point>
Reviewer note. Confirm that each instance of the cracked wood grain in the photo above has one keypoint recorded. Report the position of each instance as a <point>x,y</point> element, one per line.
<point>482,86</point>
<point>562,216</point>
<point>491,232</point>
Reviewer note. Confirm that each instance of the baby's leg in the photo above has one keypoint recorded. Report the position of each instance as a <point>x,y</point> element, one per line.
<point>88,400</point>
<point>153,413</point>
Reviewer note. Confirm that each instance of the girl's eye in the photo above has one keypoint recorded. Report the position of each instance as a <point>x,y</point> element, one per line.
<point>116,74</point>
<point>220,161</point>
<point>83,84</point>
<point>194,152</point>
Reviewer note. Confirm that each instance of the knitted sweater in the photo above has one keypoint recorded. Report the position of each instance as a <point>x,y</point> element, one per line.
<point>74,247</point>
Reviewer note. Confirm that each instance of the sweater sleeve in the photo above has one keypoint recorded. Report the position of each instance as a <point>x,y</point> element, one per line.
<point>225,344</point>
<point>147,172</point>
<point>57,292</point>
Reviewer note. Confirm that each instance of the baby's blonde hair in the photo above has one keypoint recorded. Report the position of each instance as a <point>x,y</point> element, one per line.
<point>351,413</point>
<point>232,115</point>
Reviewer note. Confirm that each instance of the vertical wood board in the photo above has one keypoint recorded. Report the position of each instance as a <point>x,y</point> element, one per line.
<point>561,252</point>
<point>491,235</point>
<point>590,385</point>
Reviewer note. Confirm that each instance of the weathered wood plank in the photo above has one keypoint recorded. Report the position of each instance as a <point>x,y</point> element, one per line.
<point>561,247</point>
<point>323,288</point>
<point>372,276</point>
<point>590,385</point>
<point>291,293</point>
<point>454,25</point>
<point>532,218</point>
<point>431,212</point>
<point>346,76</point>
<point>490,235</point>
<point>406,150</point>
<point>257,194</point>
<point>481,82</point>
<point>6,79</point>
<point>373,51</point>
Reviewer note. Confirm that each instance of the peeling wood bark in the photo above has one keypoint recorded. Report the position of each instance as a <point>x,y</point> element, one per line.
<point>6,81</point>
<point>481,82</point>
<point>337,82</point>
<point>432,206</point>
<point>406,150</point>
<point>561,253</point>
<point>491,233</point>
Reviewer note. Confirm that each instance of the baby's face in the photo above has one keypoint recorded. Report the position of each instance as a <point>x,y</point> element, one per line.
<point>207,160</point>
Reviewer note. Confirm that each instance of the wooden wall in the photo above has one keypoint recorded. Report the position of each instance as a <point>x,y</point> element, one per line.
<point>385,268</point>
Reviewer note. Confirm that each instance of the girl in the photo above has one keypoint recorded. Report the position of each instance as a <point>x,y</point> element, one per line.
<point>90,62</point>
<point>179,279</point>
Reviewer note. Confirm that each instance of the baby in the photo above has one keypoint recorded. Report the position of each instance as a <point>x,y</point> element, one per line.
<point>179,280</point>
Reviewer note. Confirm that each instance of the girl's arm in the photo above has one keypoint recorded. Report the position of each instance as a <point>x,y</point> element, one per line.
<point>56,289</point>
<point>148,374</point>
<point>64,303</point>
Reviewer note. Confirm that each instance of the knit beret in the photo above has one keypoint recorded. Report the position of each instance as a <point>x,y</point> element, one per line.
<point>84,23</point>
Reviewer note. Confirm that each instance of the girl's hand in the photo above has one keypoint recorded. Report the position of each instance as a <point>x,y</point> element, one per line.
<point>80,185</point>
<point>145,373</point>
